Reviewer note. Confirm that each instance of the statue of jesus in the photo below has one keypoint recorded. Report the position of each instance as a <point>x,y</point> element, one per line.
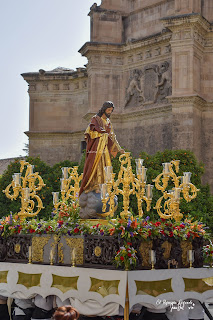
<point>101,145</point>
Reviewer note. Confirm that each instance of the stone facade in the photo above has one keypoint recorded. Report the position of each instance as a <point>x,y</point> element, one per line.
<point>153,59</point>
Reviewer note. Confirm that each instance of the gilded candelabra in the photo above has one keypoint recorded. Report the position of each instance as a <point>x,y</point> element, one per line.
<point>26,186</point>
<point>131,185</point>
<point>69,186</point>
<point>172,197</point>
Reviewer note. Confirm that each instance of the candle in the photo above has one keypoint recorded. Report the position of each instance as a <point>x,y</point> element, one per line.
<point>31,167</point>
<point>26,194</point>
<point>73,257</point>
<point>30,252</point>
<point>51,256</point>
<point>103,191</point>
<point>149,191</point>
<point>62,184</point>
<point>187,176</point>
<point>55,197</point>
<point>177,193</point>
<point>166,167</point>
<point>108,173</point>
<point>152,253</point>
<point>190,255</point>
<point>139,164</point>
<point>144,174</point>
<point>17,179</point>
<point>65,172</point>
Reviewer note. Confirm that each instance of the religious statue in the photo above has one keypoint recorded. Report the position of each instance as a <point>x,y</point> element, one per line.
<point>101,145</point>
<point>135,87</point>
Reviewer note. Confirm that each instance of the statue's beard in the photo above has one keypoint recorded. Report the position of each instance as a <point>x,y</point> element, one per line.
<point>107,114</point>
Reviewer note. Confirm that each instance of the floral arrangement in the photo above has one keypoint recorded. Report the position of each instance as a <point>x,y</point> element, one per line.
<point>126,257</point>
<point>208,253</point>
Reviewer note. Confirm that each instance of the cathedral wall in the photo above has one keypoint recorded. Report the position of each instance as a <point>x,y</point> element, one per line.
<point>207,71</point>
<point>207,145</point>
<point>146,21</point>
<point>150,132</point>
<point>56,147</point>
<point>207,9</point>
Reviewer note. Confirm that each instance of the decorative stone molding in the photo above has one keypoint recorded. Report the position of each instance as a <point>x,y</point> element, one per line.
<point>182,101</point>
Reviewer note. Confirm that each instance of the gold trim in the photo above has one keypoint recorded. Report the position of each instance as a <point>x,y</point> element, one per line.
<point>78,244</point>
<point>38,244</point>
<point>17,248</point>
<point>97,251</point>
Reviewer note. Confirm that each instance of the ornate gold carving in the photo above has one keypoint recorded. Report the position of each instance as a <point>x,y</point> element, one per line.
<point>38,244</point>
<point>185,246</point>
<point>29,280</point>
<point>60,253</point>
<point>144,251</point>
<point>26,186</point>
<point>17,248</point>
<point>97,251</point>
<point>104,287</point>
<point>167,246</point>
<point>78,244</point>
<point>64,284</point>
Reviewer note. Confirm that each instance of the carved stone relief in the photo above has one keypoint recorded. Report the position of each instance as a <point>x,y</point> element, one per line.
<point>149,85</point>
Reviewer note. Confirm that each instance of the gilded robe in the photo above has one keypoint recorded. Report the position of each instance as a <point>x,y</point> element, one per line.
<point>101,145</point>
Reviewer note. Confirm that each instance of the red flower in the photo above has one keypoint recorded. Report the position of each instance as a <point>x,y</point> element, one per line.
<point>162,232</point>
<point>129,254</point>
<point>76,230</point>
<point>129,243</point>
<point>171,234</point>
<point>157,224</point>
<point>122,258</point>
<point>118,251</point>
<point>32,230</point>
<point>188,235</point>
<point>60,221</point>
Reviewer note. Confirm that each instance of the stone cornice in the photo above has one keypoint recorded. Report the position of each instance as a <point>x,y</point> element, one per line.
<point>46,75</point>
<point>174,22</point>
<point>120,48</point>
<point>182,101</point>
<point>40,134</point>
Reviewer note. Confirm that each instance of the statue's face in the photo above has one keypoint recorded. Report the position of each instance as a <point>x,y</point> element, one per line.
<point>108,112</point>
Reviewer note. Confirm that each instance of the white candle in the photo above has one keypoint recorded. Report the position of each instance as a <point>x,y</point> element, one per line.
<point>108,173</point>
<point>144,174</point>
<point>51,255</point>
<point>30,252</point>
<point>152,256</point>
<point>62,184</point>
<point>55,197</point>
<point>103,191</point>
<point>149,191</point>
<point>73,255</point>
<point>190,255</point>
<point>166,167</point>
<point>65,172</point>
